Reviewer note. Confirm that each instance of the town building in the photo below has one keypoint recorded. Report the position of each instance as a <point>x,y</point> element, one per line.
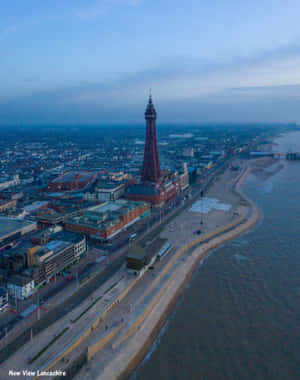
<point>58,211</point>
<point>136,259</point>
<point>184,178</point>
<point>3,299</point>
<point>35,206</point>
<point>72,181</point>
<point>7,204</point>
<point>20,287</point>
<point>110,191</point>
<point>12,229</point>
<point>44,237</point>
<point>50,259</point>
<point>154,193</point>
<point>13,260</point>
<point>139,259</point>
<point>105,221</point>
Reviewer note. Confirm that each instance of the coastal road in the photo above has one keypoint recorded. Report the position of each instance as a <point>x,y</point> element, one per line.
<point>54,314</point>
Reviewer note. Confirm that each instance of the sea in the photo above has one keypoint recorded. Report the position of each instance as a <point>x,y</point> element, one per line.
<point>239,317</point>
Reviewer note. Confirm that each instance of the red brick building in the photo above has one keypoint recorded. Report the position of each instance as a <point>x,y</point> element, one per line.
<point>72,181</point>
<point>107,220</point>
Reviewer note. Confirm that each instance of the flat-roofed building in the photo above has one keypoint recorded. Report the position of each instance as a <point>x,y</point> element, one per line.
<point>140,258</point>
<point>20,287</point>
<point>45,236</point>
<point>50,259</point>
<point>11,229</point>
<point>108,219</point>
<point>35,206</point>
<point>73,180</point>
<point>110,191</point>
<point>136,258</point>
<point>78,241</point>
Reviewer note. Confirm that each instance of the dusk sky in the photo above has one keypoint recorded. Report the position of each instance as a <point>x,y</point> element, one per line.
<point>94,61</point>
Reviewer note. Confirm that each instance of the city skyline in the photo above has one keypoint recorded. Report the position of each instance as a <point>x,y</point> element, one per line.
<point>93,62</point>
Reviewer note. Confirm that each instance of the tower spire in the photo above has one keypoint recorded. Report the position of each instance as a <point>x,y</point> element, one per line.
<point>150,112</point>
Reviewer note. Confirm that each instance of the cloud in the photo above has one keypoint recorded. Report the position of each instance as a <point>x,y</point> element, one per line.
<point>265,86</point>
<point>183,78</point>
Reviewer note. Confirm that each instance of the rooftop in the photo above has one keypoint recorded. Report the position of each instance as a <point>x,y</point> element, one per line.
<point>55,245</point>
<point>136,252</point>
<point>19,280</point>
<point>10,225</point>
<point>109,185</point>
<point>106,214</point>
<point>115,206</point>
<point>80,176</point>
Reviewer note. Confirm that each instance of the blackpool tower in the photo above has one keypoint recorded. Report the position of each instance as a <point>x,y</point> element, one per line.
<point>151,168</point>
<point>156,187</point>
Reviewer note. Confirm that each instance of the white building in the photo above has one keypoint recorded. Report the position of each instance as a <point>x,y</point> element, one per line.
<point>110,192</point>
<point>3,299</point>
<point>80,248</point>
<point>90,197</point>
<point>20,287</point>
<point>184,178</point>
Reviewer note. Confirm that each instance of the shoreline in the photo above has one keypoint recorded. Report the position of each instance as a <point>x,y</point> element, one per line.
<point>201,251</point>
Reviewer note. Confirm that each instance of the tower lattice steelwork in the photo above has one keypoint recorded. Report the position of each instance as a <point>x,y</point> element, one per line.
<point>151,168</point>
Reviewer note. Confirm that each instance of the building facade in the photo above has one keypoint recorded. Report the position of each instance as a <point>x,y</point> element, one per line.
<point>20,287</point>
<point>3,299</point>
<point>50,259</point>
<point>110,192</point>
<point>184,178</point>
<point>107,220</point>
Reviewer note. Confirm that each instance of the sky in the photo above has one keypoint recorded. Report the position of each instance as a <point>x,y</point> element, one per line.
<point>93,61</point>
